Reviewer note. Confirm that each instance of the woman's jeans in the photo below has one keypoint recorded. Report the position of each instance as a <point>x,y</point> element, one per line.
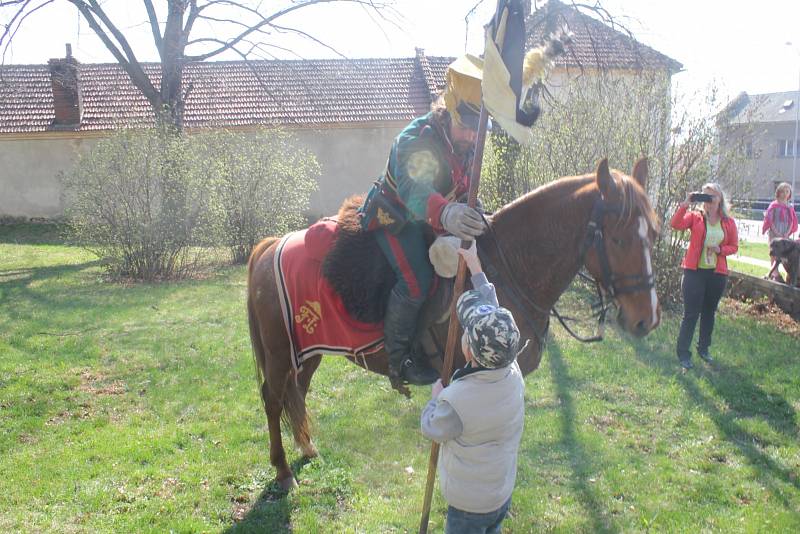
<point>461,522</point>
<point>702,289</point>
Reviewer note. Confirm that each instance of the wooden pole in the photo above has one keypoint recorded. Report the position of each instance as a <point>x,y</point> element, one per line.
<point>453,327</point>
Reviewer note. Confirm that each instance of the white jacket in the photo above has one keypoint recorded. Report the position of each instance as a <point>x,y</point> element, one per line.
<point>478,465</point>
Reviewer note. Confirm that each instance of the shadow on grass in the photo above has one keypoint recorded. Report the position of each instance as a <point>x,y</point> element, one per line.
<point>580,460</point>
<point>744,400</point>
<point>24,276</point>
<point>272,511</point>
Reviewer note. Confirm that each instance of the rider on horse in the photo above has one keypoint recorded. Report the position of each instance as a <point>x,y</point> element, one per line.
<point>426,176</point>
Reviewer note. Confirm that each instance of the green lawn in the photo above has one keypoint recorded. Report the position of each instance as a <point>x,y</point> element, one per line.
<point>759,251</point>
<point>747,268</point>
<point>133,408</point>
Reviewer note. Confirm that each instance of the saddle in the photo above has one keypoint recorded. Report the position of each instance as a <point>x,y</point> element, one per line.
<point>360,274</point>
<point>356,268</point>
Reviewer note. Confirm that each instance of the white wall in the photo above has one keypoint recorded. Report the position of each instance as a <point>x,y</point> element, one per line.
<point>29,169</point>
<point>351,159</point>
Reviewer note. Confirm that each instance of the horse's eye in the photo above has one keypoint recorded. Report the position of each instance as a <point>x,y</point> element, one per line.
<point>617,241</point>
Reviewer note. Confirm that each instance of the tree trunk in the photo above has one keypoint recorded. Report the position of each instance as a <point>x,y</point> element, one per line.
<point>172,64</point>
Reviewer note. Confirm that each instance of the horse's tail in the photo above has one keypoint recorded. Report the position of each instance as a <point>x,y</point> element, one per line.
<point>294,407</point>
<point>257,344</point>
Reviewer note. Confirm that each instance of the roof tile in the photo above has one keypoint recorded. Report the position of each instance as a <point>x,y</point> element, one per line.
<point>595,44</point>
<point>232,93</point>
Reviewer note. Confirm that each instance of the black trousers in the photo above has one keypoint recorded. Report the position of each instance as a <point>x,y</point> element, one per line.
<point>702,289</point>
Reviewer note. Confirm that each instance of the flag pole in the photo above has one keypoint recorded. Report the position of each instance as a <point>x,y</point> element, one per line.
<point>452,330</point>
<point>458,289</point>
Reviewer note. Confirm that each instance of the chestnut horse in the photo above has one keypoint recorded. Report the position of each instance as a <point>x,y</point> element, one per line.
<point>537,244</point>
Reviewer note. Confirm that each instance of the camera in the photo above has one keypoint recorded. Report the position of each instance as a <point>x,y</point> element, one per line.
<point>700,197</point>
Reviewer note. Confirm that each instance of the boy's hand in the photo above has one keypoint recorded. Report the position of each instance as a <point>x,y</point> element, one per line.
<point>436,388</point>
<point>470,256</point>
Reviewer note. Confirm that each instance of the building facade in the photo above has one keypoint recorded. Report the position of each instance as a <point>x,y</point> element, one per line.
<point>759,131</point>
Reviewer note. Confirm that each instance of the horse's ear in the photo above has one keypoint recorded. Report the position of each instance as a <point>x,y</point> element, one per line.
<point>604,181</point>
<point>640,172</point>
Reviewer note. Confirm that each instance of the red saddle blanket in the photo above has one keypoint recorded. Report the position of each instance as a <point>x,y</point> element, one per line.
<point>314,315</point>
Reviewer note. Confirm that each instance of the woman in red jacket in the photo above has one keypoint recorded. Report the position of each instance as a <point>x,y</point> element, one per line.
<point>705,269</point>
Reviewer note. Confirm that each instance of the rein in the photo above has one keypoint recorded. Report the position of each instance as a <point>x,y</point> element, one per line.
<point>594,237</point>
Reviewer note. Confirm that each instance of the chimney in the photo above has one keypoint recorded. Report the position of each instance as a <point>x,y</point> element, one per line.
<point>67,98</point>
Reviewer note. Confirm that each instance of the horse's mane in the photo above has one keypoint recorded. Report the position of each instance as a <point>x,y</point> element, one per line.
<point>633,199</point>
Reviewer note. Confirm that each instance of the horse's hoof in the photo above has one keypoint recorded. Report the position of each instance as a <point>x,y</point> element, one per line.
<point>398,384</point>
<point>310,451</point>
<point>288,484</point>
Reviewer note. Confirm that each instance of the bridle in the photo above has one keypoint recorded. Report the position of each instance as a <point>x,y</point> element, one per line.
<point>594,238</point>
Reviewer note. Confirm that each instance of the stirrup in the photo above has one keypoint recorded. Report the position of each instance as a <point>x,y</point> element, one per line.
<point>413,372</point>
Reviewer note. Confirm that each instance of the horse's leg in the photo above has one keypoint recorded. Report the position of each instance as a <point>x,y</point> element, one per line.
<point>273,406</point>
<point>274,372</point>
<point>303,437</point>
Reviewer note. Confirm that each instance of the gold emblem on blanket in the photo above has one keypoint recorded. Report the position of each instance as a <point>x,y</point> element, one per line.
<point>310,315</point>
<point>384,218</point>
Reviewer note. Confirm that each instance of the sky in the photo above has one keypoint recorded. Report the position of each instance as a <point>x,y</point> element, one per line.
<point>731,44</point>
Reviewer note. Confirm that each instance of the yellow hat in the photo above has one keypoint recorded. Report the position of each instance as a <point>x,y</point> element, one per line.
<point>462,96</point>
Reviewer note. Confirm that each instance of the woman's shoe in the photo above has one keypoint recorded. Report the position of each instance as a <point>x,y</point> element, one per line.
<point>687,364</point>
<point>705,356</point>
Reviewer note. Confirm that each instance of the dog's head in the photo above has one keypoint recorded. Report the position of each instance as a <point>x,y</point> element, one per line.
<point>781,247</point>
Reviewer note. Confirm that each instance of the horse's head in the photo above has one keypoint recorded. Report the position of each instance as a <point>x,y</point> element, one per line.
<point>619,245</point>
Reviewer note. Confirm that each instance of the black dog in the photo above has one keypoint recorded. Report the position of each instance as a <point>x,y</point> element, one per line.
<point>786,252</point>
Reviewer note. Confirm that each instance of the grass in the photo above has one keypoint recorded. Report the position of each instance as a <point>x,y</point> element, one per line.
<point>133,408</point>
<point>759,251</point>
<point>747,268</point>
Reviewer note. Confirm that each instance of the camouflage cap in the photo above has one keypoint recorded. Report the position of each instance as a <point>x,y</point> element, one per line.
<point>491,332</point>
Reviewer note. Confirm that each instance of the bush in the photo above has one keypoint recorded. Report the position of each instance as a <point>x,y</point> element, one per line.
<point>152,203</point>
<point>262,181</point>
<point>135,201</point>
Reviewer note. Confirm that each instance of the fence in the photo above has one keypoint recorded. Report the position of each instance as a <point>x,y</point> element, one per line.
<point>743,286</point>
<point>750,231</point>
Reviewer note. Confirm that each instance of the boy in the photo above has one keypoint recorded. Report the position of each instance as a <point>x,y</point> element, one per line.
<point>478,418</point>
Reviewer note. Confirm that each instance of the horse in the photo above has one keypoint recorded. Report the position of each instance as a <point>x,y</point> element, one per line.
<point>536,245</point>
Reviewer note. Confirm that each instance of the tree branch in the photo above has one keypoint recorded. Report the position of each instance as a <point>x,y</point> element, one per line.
<point>267,20</point>
<point>133,68</point>
<point>194,12</point>
<point>8,34</point>
<point>151,14</point>
<point>123,42</point>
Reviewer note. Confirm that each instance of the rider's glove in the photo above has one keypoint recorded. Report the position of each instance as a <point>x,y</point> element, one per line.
<point>478,203</point>
<point>462,221</point>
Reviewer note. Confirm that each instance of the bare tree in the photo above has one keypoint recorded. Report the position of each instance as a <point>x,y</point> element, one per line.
<point>246,27</point>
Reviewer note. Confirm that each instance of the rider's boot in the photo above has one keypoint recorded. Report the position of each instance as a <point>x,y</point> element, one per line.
<point>399,328</point>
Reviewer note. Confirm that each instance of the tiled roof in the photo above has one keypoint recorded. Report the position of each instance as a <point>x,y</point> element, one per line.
<point>235,93</point>
<point>769,107</point>
<point>26,98</point>
<point>595,44</point>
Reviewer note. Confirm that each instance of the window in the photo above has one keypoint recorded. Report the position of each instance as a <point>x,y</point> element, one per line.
<point>748,150</point>
<point>785,148</point>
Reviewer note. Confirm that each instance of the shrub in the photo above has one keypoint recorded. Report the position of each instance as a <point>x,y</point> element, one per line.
<point>135,201</point>
<point>263,182</point>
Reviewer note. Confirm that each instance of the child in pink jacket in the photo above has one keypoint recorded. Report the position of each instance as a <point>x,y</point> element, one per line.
<point>780,220</point>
